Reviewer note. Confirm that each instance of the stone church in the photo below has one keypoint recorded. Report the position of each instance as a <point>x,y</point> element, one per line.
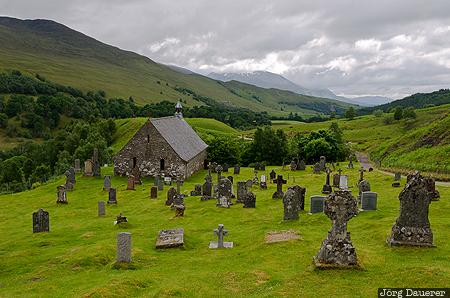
<point>166,145</point>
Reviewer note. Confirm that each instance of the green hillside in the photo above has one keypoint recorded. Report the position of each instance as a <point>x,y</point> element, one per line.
<point>421,143</point>
<point>76,258</point>
<point>71,58</point>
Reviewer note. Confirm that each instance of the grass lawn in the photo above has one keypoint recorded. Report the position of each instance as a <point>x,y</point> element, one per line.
<point>76,258</point>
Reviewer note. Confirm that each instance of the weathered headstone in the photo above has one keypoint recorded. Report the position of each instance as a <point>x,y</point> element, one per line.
<point>136,173</point>
<point>107,182</point>
<point>301,165</point>
<point>197,190</point>
<point>369,200</point>
<point>77,166</point>
<point>326,189</point>
<point>279,193</point>
<point>249,200</point>
<point>413,226</point>
<point>299,196</point>
<point>237,170</point>
<point>249,184</point>
<point>316,168</point>
<point>336,180</point>
<point>431,188</point>
<point>322,163</point>
<point>160,183</point>
<point>361,174</point>
<point>293,165</point>
<point>316,204</point>
<point>171,194</point>
<point>207,189</point>
<point>220,232</point>
<point>170,238</point>
<point>41,221</point>
<point>337,249</point>
<point>263,182</point>
<point>363,186</point>
<point>255,177</point>
<point>61,195</point>
<point>101,208</point>
<point>178,205</point>
<point>343,182</point>
<point>88,168</point>
<point>156,180</point>
<point>123,247</point>
<point>225,168</point>
<point>69,184</point>
<point>231,178</point>
<point>241,191</point>
<point>112,199</point>
<point>131,182</point>
<point>154,192</point>
<point>290,205</point>
<point>350,162</point>
<point>224,193</point>
<point>272,175</point>
<point>397,176</point>
<point>96,169</point>
<point>121,219</point>
<point>219,170</point>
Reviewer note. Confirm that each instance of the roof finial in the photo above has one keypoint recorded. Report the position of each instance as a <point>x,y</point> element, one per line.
<point>178,110</point>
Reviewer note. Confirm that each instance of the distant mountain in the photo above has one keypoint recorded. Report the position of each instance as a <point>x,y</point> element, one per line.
<point>71,58</point>
<point>179,69</point>
<point>267,79</point>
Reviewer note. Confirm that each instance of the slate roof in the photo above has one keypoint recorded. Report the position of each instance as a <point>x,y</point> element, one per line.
<point>180,136</point>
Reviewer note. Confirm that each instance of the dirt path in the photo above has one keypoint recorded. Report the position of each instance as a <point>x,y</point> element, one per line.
<point>365,162</point>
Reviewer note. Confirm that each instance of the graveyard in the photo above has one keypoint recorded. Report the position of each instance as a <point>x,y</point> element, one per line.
<point>77,257</point>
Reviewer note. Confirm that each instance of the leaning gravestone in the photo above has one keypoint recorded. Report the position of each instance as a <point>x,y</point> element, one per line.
<point>413,226</point>
<point>279,193</point>
<point>170,238</point>
<point>107,182</point>
<point>123,247</point>
<point>207,189</point>
<point>241,191</point>
<point>249,200</point>
<point>77,166</point>
<point>290,205</point>
<point>61,195</point>
<point>171,194</point>
<point>237,170</point>
<point>153,192</point>
<point>112,199</point>
<point>101,208</point>
<point>368,200</point>
<point>220,232</point>
<point>41,221</point>
<point>337,249</point>
<point>316,204</point>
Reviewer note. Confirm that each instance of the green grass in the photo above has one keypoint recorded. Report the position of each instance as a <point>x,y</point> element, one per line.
<point>77,257</point>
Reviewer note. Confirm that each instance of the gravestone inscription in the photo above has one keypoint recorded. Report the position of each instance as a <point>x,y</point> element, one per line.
<point>41,221</point>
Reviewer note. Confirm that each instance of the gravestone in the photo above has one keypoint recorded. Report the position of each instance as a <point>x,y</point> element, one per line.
<point>69,184</point>
<point>123,247</point>
<point>249,200</point>
<point>301,165</point>
<point>112,199</point>
<point>168,180</point>
<point>219,170</point>
<point>41,221</point>
<point>224,193</point>
<point>299,196</point>
<point>220,232</point>
<point>237,170</point>
<point>249,184</point>
<point>171,194</point>
<point>293,165</point>
<point>231,178</point>
<point>363,186</point>
<point>131,182</point>
<point>197,190</point>
<point>107,182</point>
<point>77,166</point>
<point>136,173</point>
<point>326,189</point>
<point>178,205</point>
<point>336,180</point>
<point>170,238</point>
<point>316,204</point>
<point>255,177</point>
<point>225,168</point>
<point>290,205</point>
<point>156,180</point>
<point>316,168</point>
<point>397,176</point>
<point>272,175</point>
<point>160,183</point>
<point>337,249</point>
<point>96,169</point>
<point>88,168</point>
<point>101,208</point>
<point>343,182</point>
<point>263,182</point>
<point>279,193</point>
<point>369,200</point>
<point>350,162</point>
<point>180,183</point>
<point>154,192</point>
<point>322,163</point>
<point>431,188</point>
<point>61,195</point>
<point>361,174</point>
<point>213,167</point>
<point>413,226</point>
<point>259,167</point>
<point>207,189</point>
<point>120,219</point>
<point>241,191</point>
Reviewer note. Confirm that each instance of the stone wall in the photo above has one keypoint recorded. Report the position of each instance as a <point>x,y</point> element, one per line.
<point>149,147</point>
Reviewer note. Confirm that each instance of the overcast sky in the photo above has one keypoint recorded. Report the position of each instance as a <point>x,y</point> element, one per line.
<point>353,47</point>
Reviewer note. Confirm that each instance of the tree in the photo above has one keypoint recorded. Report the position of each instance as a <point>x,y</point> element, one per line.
<point>410,113</point>
<point>398,113</point>
<point>224,150</point>
<point>316,148</point>
<point>378,113</point>
<point>268,146</point>
<point>350,113</point>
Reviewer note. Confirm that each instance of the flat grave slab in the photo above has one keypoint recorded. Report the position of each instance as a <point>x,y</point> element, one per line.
<point>170,238</point>
<point>281,236</point>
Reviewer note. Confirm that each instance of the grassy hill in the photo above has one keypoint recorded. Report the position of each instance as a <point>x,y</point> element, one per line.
<point>422,143</point>
<point>77,257</point>
<point>71,58</point>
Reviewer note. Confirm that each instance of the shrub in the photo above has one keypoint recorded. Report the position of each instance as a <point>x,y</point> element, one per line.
<point>378,113</point>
